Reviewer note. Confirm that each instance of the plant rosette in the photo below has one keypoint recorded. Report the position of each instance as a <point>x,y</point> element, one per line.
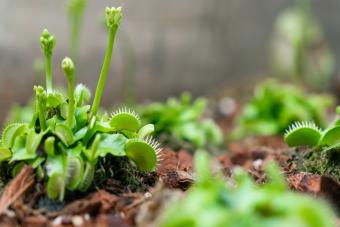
<point>324,145</point>
<point>66,137</point>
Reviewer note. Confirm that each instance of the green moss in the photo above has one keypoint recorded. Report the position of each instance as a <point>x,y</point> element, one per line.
<point>322,162</point>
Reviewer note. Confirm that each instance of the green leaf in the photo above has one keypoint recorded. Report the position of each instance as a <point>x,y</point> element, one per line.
<point>64,133</point>
<point>142,154</point>
<point>36,162</point>
<point>17,168</point>
<point>87,177</point>
<point>56,187</point>
<point>19,151</point>
<point>55,99</point>
<point>125,119</point>
<point>82,95</point>
<point>11,132</point>
<point>74,166</point>
<point>74,171</point>
<point>113,144</point>
<point>5,154</point>
<point>81,115</point>
<point>80,134</point>
<point>55,164</point>
<point>49,146</point>
<point>146,130</point>
<point>33,140</point>
<point>330,136</point>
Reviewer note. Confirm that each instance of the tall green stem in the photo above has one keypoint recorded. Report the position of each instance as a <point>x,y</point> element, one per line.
<point>49,82</point>
<point>105,68</point>
<point>47,43</point>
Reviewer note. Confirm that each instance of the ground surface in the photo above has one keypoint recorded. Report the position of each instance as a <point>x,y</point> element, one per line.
<point>23,201</point>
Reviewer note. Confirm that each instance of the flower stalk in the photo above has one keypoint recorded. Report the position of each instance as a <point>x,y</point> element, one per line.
<point>113,19</point>
<point>47,42</point>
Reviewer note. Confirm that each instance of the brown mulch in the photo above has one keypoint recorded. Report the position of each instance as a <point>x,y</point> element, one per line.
<point>175,169</point>
<point>252,154</point>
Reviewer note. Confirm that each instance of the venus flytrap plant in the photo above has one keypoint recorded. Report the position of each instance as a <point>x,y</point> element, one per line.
<point>322,155</point>
<point>47,42</point>
<point>113,19</point>
<point>65,141</point>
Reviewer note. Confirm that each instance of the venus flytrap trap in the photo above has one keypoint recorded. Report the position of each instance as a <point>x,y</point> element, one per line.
<point>66,140</point>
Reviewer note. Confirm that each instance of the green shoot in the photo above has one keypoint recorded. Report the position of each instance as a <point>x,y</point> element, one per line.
<point>47,42</point>
<point>68,67</point>
<point>75,9</point>
<point>41,105</point>
<point>113,19</point>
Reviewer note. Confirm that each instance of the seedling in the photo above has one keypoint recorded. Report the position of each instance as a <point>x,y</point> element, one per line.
<point>210,202</point>
<point>181,121</point>
<point>65,139</point>
<point>275,106</point>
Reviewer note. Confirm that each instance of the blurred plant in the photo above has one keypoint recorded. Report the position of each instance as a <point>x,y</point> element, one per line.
<point>299,48</point>
<point>210,202</point>
<point>274,106</point>
<point>181,121</point>
<point>65,138</point>
<point>75,9</point>
<point>324,158</point>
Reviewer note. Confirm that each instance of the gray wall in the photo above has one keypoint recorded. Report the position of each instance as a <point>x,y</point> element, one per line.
<point>195,45</point>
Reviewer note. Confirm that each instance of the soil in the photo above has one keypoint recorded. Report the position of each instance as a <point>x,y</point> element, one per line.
<point>111,203</point>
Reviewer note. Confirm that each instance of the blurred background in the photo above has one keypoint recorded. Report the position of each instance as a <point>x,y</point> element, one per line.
<point>200,46</point>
